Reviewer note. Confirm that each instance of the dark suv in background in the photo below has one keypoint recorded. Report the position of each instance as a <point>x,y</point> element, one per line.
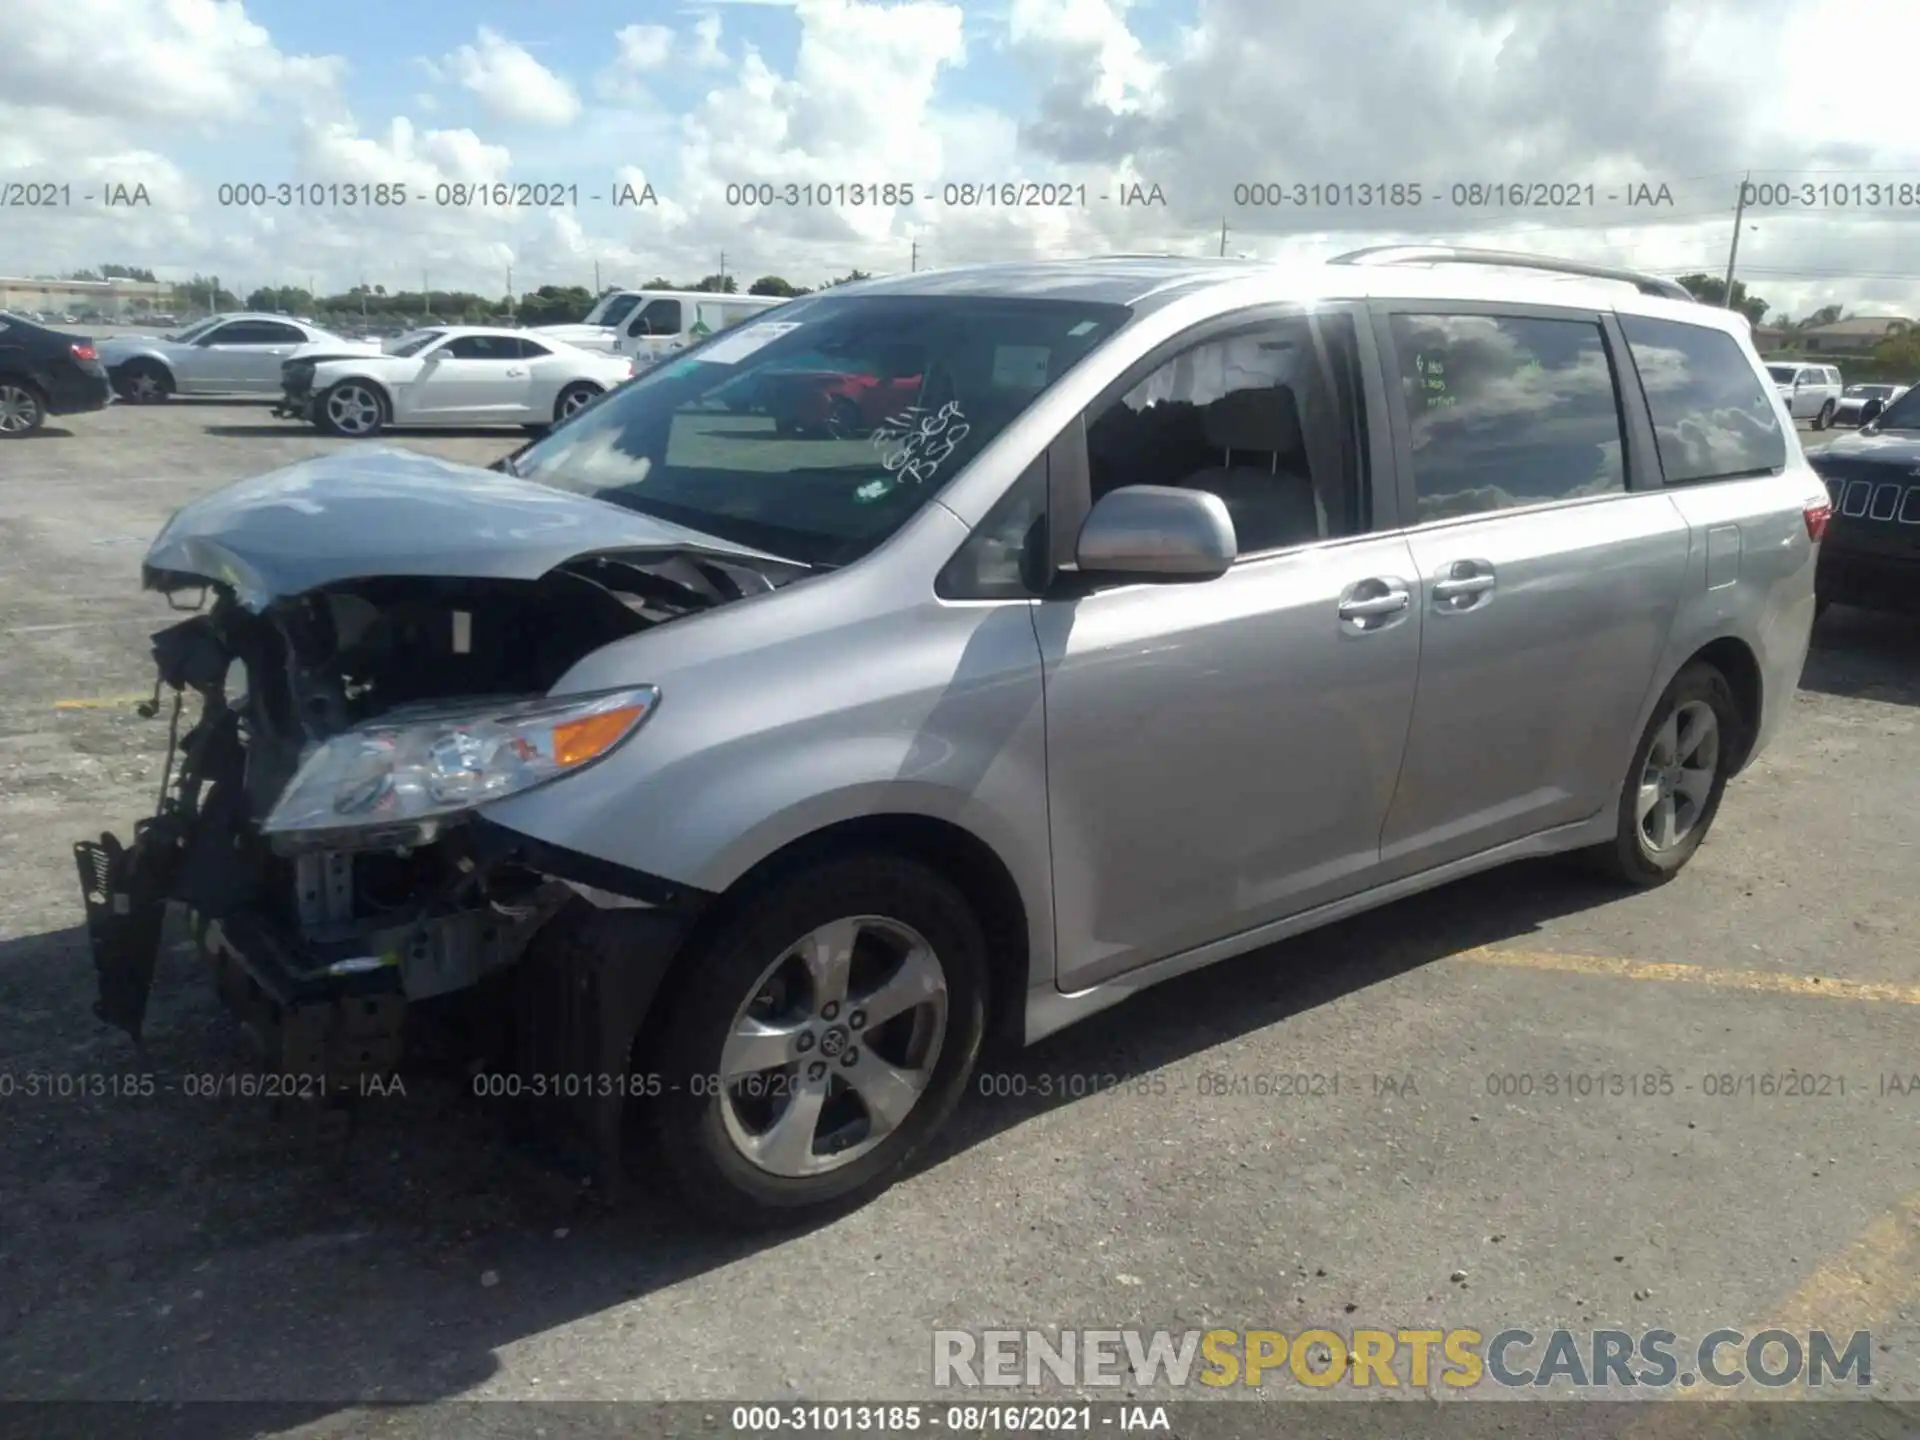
<point>45,372</point>
<point>1871,557</point>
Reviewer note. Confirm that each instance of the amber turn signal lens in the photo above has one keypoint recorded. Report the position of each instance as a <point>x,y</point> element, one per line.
<point>578,741</point>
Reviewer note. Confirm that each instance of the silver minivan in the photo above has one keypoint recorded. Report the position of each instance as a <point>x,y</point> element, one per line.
<point>743,782</point>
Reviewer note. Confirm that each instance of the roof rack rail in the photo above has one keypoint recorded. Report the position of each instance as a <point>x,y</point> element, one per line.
<point>1516,259</point>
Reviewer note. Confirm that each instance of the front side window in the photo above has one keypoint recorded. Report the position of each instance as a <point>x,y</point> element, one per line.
<point>1507,411</point>
<point>1250,417</point>
<point>482,347</point>
<point>818,435</point>
<point>661,317</point>
<point>1712,418</point>
<point>256,332</point>
<point>1782,374</point>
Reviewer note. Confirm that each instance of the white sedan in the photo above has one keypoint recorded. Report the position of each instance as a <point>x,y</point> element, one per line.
<point>450,375</point>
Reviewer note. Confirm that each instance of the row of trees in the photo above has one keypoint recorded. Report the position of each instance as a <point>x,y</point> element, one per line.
<point>546,305</point>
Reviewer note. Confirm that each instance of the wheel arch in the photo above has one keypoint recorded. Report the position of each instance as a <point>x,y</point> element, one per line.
<point>943,845</point>
<point>1735,660</point>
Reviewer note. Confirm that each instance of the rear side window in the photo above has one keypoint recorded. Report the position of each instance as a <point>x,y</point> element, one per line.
<point>1712,418</point>
<point>1505,411</point>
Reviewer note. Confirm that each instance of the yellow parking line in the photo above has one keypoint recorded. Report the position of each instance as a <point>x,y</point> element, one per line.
<point>1763,982</point>
<point>106,702</point>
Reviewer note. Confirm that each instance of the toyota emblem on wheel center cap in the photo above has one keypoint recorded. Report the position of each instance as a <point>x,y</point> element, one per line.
<point>833,1040</point>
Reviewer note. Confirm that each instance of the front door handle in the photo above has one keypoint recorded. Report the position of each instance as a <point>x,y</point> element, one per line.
<point>1371,605</point>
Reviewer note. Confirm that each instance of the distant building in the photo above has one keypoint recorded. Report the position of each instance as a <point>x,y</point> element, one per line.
<point>1854,336</point>
<point>115,299</point>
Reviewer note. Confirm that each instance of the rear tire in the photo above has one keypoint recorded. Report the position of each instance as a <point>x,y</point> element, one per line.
<point>143,382</point>
<point>891,920</point>
<point>23,409</point>
<point>1673,787</point>
<point>1825,417</point>
<point>573,398</point>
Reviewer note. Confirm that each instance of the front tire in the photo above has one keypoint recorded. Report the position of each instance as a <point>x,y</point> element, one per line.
<point>1673,787</point>
<point>23,409</point>
<point>840,1014</point>
<point>351,409</point>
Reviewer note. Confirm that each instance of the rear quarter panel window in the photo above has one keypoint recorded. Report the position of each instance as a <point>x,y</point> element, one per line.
<point>1712,416</point>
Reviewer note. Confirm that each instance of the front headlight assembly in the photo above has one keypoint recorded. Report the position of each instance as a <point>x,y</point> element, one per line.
<point>408,774</point>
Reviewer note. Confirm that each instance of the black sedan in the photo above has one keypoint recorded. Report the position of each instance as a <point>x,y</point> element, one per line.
<point>45,372</point>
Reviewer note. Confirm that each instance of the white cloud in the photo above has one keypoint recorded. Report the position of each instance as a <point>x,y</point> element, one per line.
<point>645,48</point>
<point>707,54</point>
<point>513,85</point>
<point>1195,99</point>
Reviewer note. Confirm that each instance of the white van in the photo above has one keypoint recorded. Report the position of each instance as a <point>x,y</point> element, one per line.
<point>623,319</point>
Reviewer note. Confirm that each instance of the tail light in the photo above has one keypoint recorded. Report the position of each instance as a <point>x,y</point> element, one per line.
<point>83,351</point>
<point>1817,516</point>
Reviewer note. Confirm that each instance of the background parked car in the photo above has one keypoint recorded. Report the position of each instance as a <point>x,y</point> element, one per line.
<point>45,372</point>
<point>1860,404</point>
<point>1811,392</point>
<point>453,375</point>
<point>222,355</point>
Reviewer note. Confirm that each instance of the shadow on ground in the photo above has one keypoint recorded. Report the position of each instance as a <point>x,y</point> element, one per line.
<point>1865,655</point>
<point>242,1255</point>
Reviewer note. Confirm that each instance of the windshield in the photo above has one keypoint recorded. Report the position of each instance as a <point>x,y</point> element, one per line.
<point>1782,373</point>
<point>1902,414</point>
<point>199,327</point>
<point>817,435</point>
<point>413,342</point>
<point>612,309</point>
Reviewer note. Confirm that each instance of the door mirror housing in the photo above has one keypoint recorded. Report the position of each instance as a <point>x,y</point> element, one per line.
<point>1157,533</point>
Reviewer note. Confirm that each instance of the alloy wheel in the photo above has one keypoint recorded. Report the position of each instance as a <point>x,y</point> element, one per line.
<point>574,401</point>
<point>144,387</point>
<point>19,410</point>
<point>834,1047</point>
<point>353,410</point>
<point>1677,780</point>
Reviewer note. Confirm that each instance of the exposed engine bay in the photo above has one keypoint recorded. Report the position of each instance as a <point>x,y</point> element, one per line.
<point>322,950</point>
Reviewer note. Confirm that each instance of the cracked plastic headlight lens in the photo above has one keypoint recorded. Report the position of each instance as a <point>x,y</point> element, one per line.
<point>422,767</point>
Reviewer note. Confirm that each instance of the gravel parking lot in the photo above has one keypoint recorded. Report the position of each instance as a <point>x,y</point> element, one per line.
<point>175,1246</point>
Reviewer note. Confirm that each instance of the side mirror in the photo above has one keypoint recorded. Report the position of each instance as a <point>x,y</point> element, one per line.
<point>1157,532</point>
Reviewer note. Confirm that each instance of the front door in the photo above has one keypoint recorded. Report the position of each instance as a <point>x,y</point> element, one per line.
<point>474,378</point>
<point>1222,754</point>
<point>1549,586</point>
<point>243,357</point>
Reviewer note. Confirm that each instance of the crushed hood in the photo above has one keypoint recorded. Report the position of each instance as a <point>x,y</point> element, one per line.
<point>395,513</point>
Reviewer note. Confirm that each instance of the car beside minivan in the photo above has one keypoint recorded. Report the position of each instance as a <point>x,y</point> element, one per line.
<point>1810,392</point>
<point>748,782</point>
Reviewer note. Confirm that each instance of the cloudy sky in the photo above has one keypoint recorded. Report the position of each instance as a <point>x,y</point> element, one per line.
<point>1181,103</point>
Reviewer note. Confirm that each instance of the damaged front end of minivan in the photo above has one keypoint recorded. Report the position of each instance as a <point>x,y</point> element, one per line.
<point>373,660</point>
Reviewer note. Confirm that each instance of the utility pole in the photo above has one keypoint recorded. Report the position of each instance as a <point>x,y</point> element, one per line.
<point>915,260</point>
<point>596,279</point>
<point>1733,250</point>
<point>509,290</point>
<point>723,270</point>
<point>426,297</point>
<point>1223,237</point>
